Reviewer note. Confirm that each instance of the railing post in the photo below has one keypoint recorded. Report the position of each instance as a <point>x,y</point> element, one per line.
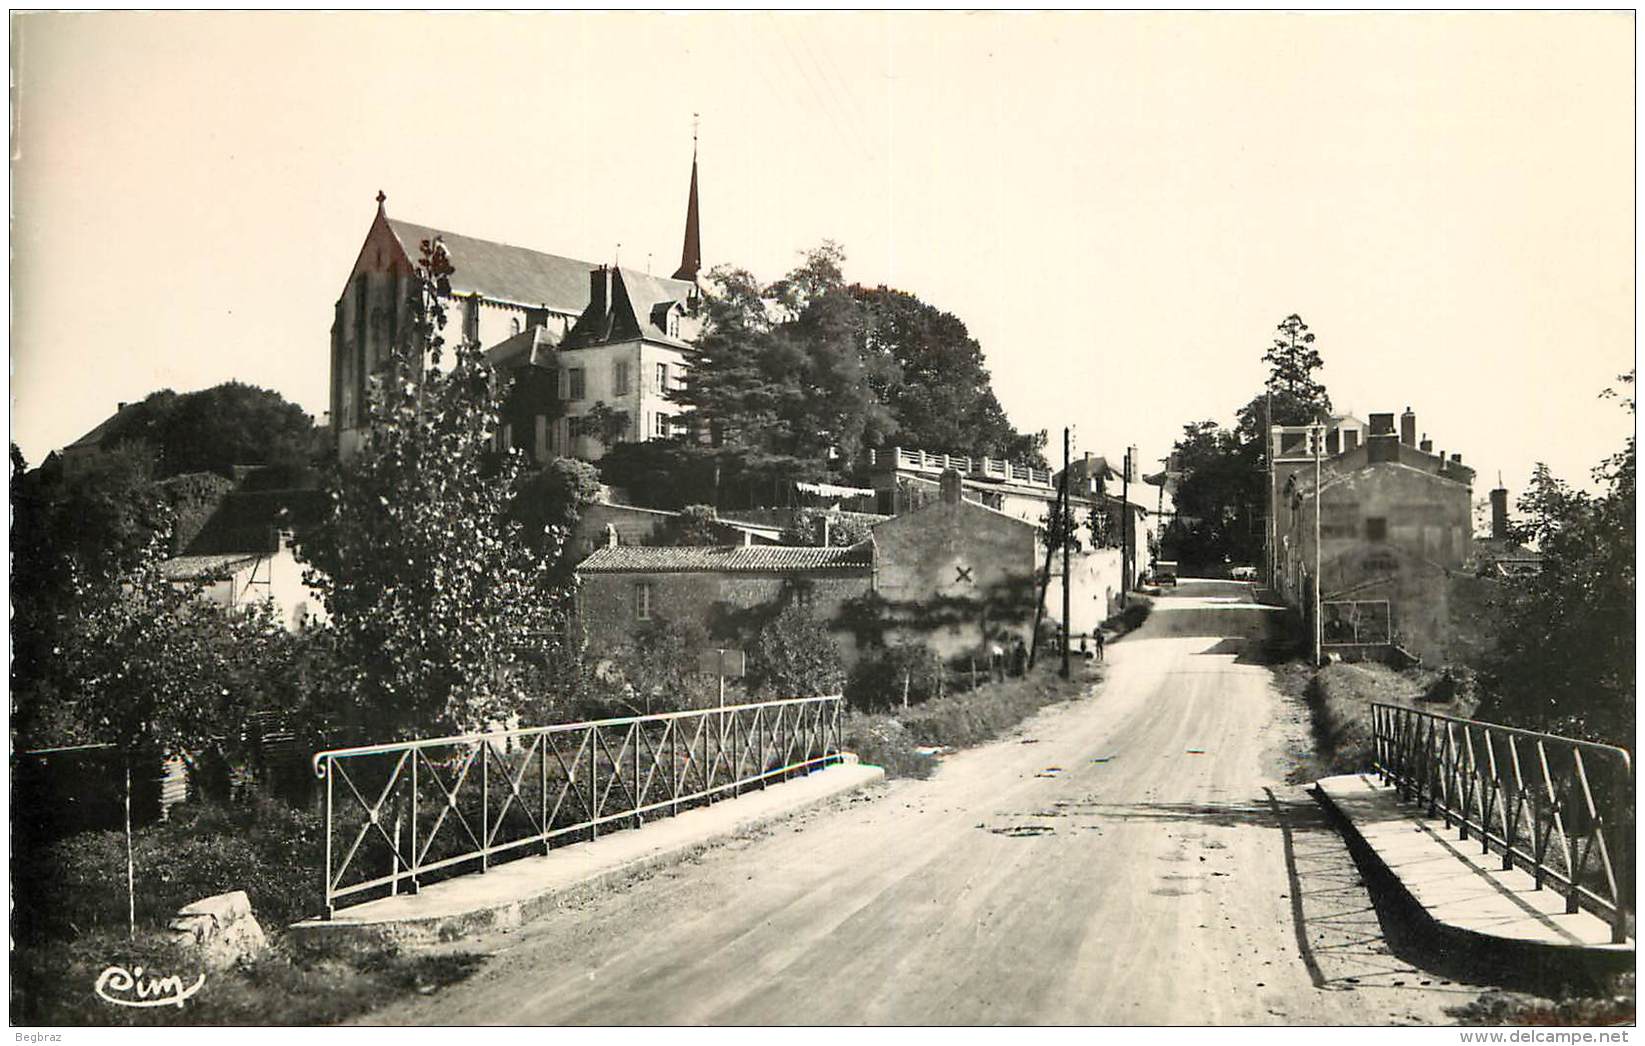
<point>416,858</point>
<point>593,783</point>
<point>485,804</point>
<point>638,790</point>
<point>331,773</point>
<point>542,791</point>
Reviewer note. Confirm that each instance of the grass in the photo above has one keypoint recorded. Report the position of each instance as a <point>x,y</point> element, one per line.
<point>69,923</point>
<point>890,739</point>
<point>52,984</point>
<point>1617,1006</point>
<point>1339,698</point>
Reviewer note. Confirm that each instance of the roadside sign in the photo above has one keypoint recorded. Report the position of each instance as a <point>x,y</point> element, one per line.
<point>729,664</point>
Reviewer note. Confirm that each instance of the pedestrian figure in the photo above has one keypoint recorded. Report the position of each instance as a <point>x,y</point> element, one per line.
<point>1097,635</point>
<point>1020,659</point>
<point>996,662</point>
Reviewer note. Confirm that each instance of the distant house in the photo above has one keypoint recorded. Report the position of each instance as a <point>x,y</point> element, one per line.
<point>79,455</point>
<point>625,588</point>
<point>1395,529</point>
<point>243,554</point>
<point>1499,555</point>
<point>954,575</point>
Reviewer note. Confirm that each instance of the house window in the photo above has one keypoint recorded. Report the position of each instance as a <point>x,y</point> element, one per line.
<point>578,388</point>
<point>1376,528</point>
<point>573,430</point>
<point>660,424</point>
<point>619,379</point>
<point>642,601</point>
<point>662,377</point>
<point>515,325</point>
<point>673,325</point>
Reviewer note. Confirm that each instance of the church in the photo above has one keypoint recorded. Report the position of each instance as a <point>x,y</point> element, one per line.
<point>579,334</point>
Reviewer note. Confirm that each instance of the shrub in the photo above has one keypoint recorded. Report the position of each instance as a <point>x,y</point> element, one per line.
<point>78,884</point>
<point>793,655</point>
<point>877,680</point>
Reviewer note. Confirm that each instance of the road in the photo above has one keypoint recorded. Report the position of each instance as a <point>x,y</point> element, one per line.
<point>1131,857</point>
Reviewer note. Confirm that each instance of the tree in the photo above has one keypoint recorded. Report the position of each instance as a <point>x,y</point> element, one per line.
<point>433,590</point>
<point>809,527</point>
<point>1293,360</point>
<point>216,428</point>
<point>695,525</point>
<point>934,381</point>
<point>550,503</point>
<point>1564,650</point>
<point>1222,497</point>
<point>607,424</point>
<point>793,655</point>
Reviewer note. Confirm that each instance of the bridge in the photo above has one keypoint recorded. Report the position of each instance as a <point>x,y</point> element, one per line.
<point>1145,854</point>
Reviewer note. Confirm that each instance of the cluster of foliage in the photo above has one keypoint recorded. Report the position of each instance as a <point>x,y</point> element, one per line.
<point>793,380</point>
<point>433,590</point>
<point>810,526</point>
<point>793,655</point>
<point>655,670</point>
<point>1221,500</point>
<point>213,429</point>
<point>1563,657</point>
<point>880,679</point>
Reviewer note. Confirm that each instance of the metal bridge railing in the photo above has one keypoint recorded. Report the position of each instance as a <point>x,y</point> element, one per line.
<point>397,813</point>
<point>1557,807</point>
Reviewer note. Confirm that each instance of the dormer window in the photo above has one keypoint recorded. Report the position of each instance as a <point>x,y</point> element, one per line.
<point>673,324</point>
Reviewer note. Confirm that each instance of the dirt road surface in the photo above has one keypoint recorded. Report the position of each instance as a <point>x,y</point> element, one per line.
<point>1131,857</point>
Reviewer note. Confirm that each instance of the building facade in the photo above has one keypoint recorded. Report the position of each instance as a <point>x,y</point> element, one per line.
<point>579,333</point>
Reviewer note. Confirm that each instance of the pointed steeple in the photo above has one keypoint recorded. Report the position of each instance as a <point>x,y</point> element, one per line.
<point>691,257</point>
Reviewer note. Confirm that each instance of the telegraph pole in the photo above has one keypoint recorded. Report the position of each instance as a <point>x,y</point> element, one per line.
<point>1125,532</point>
<point>1316,439</point>
<point>1066,523</point>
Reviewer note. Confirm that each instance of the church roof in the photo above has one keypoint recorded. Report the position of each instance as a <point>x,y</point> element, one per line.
<point>502,272</point>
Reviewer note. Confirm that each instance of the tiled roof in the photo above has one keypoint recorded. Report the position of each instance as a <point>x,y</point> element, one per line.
<point>96,436</point>
<point>736,559</point>
<point>503,272</point>
<point>204,568</point>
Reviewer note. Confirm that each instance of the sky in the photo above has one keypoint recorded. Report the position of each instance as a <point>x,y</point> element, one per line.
<point>1121,207</point>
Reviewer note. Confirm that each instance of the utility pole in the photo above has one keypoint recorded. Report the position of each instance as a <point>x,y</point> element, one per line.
<point>1271,525</point>
<point>1065,522</point>
<point>1125,532</point>
<point>1316,440</point>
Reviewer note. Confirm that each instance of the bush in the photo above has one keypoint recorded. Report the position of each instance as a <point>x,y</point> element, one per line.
<point>877,680</point>
<point>793,655</point>
<point>78,884</point>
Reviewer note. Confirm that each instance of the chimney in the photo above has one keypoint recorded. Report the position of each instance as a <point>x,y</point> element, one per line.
<point>1499,511</point>
<point>1427,445</point>
<point>1456,459</point>
<point>599,292</point>
<point>952,491</point>
<point>610,535</point>
<point>1408,428</point>
<point>1382,446</point>
<point>1382,425</point>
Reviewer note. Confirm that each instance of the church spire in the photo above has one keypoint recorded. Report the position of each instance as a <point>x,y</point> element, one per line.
<point>691,256</point>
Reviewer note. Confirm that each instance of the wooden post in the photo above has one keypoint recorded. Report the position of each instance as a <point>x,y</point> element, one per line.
<point>905,681</point>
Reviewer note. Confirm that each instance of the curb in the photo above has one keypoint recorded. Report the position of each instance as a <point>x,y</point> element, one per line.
<point>1521,955</point>
<point>552,882</point>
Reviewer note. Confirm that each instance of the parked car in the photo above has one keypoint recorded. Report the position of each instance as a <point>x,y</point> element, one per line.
<point>1243,573</point>
<point>1165,572</point>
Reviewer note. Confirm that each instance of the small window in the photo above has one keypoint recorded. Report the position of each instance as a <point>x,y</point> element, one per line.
<point>662,377</point>
<point>619,379</point>
<point>573,429</point>
<point>578,388</point>
<point>673,325</point>
<point>1376,528</point>
<point>661,424</point>
<point>642,601</point>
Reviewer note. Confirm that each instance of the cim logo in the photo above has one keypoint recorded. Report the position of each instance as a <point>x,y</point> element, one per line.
<point>123,987</point>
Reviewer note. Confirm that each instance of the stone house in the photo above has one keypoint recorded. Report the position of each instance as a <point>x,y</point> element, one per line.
<point>1395,524</point>
<point>243,554</point>
<point>625,588</point>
